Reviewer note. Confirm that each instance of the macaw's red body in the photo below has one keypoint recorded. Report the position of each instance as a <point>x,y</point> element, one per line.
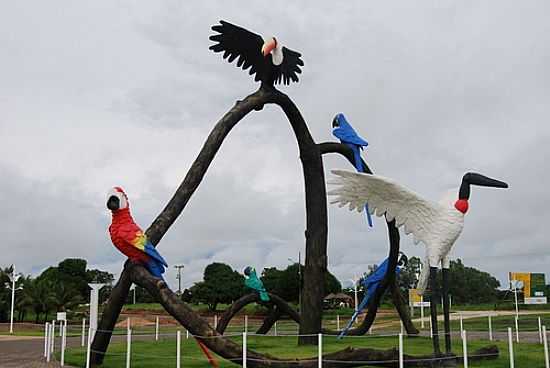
<point>128,237</point>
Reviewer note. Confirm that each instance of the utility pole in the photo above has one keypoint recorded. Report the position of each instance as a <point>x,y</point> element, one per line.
<point>178,276</point>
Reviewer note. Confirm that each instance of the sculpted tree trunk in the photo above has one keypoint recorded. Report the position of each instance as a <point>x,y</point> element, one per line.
<point>316,213</point>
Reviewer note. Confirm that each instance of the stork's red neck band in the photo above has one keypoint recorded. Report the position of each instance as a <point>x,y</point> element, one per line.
<point>462,205</point>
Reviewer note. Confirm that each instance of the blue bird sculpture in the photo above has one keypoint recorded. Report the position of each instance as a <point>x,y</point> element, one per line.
<point>347,135</point>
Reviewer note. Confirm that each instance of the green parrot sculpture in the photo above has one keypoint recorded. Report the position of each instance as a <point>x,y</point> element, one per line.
<point>253,282</point>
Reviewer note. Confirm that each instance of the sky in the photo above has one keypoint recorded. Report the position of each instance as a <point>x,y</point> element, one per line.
<point>104,93</point>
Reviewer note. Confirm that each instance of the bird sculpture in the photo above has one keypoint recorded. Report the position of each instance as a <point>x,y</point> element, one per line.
<point>253,282</point>
<point>128,237</point>
<point>343,130</point>
<point>370,284</point>
<point>437,225</point>
<point>269,61</point>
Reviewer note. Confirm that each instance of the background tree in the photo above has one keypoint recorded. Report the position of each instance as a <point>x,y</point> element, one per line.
<point>221,284</point>
<point>42,296</point>
<point>469,285</point>
<point>4,295</point>
<point>285,283</point>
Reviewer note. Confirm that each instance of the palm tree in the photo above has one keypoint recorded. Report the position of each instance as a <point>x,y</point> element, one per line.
<point>23,302</point>
<point>42,296</point>
<point>4,294</point>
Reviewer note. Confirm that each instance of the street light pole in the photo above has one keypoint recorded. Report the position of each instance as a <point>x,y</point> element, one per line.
<point>178,276</point>
<point>14,277</point>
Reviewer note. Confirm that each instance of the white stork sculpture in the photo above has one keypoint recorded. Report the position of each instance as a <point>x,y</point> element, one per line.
<point>437,225</point>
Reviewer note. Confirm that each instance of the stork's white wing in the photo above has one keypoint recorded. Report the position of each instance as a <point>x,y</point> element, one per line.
<point>385,196</point>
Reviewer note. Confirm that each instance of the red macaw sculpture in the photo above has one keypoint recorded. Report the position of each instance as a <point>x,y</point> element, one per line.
<point>128,237</point>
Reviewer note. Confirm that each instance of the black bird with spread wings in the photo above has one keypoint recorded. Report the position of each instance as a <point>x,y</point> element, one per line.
<point>268,60</point>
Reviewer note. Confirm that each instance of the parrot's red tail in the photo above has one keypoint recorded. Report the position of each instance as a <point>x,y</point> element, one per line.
<point>213,362</point>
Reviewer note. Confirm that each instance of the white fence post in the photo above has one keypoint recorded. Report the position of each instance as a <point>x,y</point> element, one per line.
<point>63,343</point>
<point>402,328</point>
<point>47,326</point>
<point>517,329</point>
<point>545,342</point>
<point>178,349</point>
<point>48,349</point>
<point>511,347</point>
<point>89,348</point>
<point>215,321</point>
<point>246,323</point>
<point>401,363</point>
<point>320,349</point>
<point>128,348</point>
<point>422,311</point>
<point>52,337</point>
<point>157,329</point>
<point>540,330</point>
<point>128,325</point>
<point>275,328</point>
<point>337,322</point>
<point>465,348</point>
<point>186,334</point>
<point>461,324</point>
<point>490,329</point>
<point>244,349</point>
<point>83,339</point>
<point>431,331</point>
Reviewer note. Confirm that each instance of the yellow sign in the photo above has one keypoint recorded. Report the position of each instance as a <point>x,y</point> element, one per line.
<point>414,297</point>
<point>524,278</point>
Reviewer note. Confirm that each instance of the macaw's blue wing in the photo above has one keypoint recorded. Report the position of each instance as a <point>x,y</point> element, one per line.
<point>156,264</point>
<point>371,283</point>
<point>153,253</point>
<point>364,303</point>
<point>348,135</point>
<point>155,267</point>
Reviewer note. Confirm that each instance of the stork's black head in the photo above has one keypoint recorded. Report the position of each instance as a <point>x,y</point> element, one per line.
<point>113,203</point>
<point>248,270</point>
<point>480,180</point>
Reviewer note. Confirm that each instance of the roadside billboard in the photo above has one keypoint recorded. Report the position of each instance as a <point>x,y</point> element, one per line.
<point>533,285</point>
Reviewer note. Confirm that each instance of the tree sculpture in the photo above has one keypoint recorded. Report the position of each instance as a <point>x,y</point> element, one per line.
<point>271,64</point>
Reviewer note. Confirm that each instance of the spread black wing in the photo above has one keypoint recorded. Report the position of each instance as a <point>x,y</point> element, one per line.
<point>235,42</point>
<point>290,68</point>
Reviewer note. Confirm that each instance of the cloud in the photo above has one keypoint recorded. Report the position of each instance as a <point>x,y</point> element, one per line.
<point>118,93</point>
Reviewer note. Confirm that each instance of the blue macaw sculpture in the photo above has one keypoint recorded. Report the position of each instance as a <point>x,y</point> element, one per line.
<point>347,135</point>
<point>370,284</point>
<point>252,281</point>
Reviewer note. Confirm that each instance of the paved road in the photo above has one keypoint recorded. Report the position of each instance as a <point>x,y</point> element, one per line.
<point>23,352</point>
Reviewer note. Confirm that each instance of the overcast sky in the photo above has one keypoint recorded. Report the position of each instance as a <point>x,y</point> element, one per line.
<point>102,93</point>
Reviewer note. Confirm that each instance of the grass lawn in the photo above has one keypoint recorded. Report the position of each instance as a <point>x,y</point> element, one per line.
<point>162,353</point>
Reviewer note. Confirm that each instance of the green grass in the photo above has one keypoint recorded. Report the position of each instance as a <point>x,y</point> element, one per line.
<point>162,353</point>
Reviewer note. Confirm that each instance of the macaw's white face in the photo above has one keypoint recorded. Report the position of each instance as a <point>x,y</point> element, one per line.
<point>117,199</point>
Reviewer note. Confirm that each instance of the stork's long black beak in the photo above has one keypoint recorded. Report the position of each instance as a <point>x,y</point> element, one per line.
<point>113,203</point>
<point>335,122</point>
<point>479,180</point>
